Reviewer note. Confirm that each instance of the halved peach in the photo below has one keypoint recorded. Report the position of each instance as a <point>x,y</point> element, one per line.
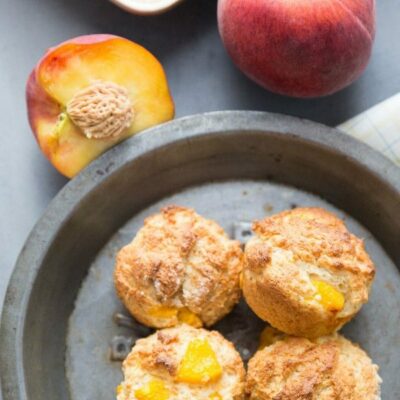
<point>91,92</point>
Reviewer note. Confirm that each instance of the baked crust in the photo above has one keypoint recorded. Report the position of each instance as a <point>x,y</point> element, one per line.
<point>179,259</point>
<point>293,247</point>
<point>159,355</point>
<point>327,368</point>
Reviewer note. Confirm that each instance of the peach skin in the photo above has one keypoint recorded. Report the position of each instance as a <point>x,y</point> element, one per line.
<point>302,48</point>
<point>90,93</point>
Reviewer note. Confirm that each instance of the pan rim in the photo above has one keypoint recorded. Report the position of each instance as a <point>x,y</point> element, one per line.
<point>62,206</point>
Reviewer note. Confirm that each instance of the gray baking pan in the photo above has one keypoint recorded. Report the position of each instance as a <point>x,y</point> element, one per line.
<point>63,331</point>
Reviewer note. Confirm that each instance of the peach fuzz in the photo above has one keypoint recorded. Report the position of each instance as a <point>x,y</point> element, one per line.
<point>69,84</point>
<point>300,48</point>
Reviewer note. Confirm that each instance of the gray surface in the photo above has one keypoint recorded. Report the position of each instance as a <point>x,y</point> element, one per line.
<point>182,155</point>
<point>202,78</point>
<point>201,75</point>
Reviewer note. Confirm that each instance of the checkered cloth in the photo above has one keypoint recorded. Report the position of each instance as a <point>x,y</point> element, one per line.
<point>379,127</point>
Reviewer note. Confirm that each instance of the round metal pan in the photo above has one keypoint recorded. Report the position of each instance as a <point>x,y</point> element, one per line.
<point>62,331</point>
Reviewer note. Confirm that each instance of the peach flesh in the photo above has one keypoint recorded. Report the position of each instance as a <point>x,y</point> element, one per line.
<point>71,66</point>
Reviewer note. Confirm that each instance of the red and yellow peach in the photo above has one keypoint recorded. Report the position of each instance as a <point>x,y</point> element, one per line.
<point>89,93</point>
<point>301,48</point>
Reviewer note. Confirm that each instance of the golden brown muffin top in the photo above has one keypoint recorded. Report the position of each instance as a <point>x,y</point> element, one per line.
<point>160,355</point>
<point>328,368</point>
<point>315,236</point>
<point>295,245</point>
<point>305,273</point>
<point>180,259</point>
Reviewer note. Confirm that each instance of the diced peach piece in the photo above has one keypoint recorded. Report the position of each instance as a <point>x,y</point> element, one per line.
<point>152,390</point>
<point>215,396</point>
<point>330,298</point>
<point>268,336</point>
<point>184,315</point>
<point>118,390</point>
<point>199,364</point>
<point>163,312</point>
<point>74,66</point>
<point>188,317</point>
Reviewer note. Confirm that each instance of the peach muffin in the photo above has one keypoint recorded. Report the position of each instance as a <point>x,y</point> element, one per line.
<point>180,267</point>
<point>183,363</point>
<point>305,273</point>
<point>326,368</point>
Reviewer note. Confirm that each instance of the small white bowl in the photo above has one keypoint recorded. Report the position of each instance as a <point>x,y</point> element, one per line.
<point>146,7</point>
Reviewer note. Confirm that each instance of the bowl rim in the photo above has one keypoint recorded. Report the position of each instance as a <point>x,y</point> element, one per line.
<point>12,316</point>
<point>143,8</point>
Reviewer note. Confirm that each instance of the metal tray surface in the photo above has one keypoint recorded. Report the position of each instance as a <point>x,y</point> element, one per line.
<point>62,322</point>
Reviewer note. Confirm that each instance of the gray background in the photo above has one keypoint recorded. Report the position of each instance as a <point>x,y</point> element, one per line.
<point>201,77</point>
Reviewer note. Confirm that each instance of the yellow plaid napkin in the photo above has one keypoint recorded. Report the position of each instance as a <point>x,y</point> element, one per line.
<point>379,127</point>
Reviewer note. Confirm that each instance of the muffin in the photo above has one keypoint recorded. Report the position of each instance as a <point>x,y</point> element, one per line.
<point>180,267</point>
<point>326,368</point>
<point>183,363</point>
<point>305,273</point>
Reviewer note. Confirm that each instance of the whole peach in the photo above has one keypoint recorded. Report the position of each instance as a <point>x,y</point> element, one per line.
<point>300,48</point>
